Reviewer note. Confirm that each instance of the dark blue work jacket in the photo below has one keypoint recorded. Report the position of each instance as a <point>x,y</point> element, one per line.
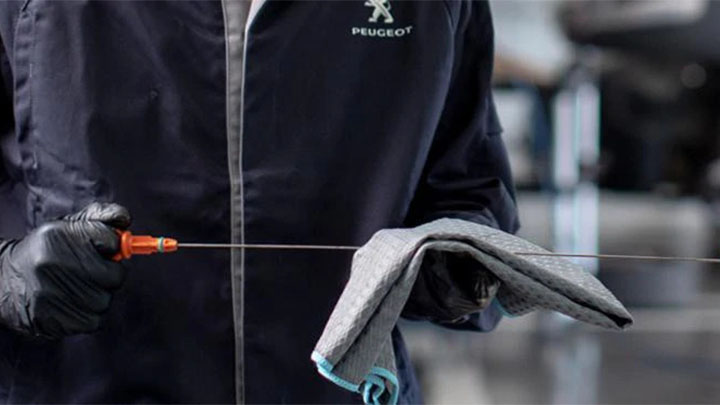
<point>321,123</point>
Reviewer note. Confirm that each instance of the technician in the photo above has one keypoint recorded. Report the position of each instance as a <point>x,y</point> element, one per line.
<point>218,121</point>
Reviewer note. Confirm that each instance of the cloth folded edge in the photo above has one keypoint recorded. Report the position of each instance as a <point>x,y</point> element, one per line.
<point>377,378</point>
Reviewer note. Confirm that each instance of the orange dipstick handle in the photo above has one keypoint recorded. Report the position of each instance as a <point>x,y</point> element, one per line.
<point>142,245</point>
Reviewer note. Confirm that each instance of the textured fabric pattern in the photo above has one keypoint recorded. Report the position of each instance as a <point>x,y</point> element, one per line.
<point>354,349</point>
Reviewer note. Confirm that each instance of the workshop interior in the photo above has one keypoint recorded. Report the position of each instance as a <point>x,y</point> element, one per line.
<point>610,112</point>
<point>610,116</point>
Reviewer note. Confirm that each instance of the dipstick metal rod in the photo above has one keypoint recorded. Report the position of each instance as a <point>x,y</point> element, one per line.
<point>146,245</point>
<point>547,254</point>
<point>625,257</point>
<point>263,246</point>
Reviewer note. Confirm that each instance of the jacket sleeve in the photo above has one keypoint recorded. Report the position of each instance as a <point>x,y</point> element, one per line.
<point>6,110</point>
<point>9,192</point>
<point>8,14</point>
<point>467,174</point>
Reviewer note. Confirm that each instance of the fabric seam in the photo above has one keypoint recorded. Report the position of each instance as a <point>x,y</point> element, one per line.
<point>242,210</point>
<point>237,317</point>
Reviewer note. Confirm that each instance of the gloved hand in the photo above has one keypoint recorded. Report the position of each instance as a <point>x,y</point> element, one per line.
<point>59,279</point>
<point>450,286</point>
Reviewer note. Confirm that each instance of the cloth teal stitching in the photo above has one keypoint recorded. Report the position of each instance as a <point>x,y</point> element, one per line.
<point>392,378</point>
<point>325,369</point>
<point>376,378</point>
<point>373,385</point>
<point>380,389</point>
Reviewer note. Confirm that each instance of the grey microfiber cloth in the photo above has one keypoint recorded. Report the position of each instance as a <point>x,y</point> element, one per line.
<point>355,350</point>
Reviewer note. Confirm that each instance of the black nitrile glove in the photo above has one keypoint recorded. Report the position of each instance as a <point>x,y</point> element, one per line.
<point>59,279</point>
<point>450,286</point>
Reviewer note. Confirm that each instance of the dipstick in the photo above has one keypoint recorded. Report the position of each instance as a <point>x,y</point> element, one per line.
<point>146,245</point>
<point>263,246</point>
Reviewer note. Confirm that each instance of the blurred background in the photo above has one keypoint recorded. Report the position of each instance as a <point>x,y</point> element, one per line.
<point>611,115</point>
